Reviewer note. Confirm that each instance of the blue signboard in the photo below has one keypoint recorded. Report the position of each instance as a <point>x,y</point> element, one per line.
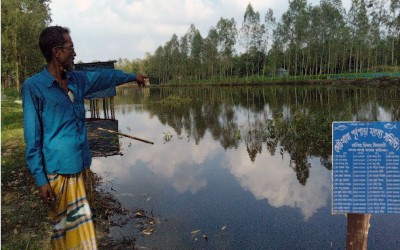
<point>366,167</point>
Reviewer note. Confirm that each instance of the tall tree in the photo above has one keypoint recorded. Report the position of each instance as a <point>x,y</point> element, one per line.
<point>184,54</point>
<point>394,31</point>
<point>227,33</point>
<point>270,22</point>
<point>211,58</point>
<point>379,14</point>
<point>22,21</point>
<point>172,58</point>
<point>252,33</point>
<point>196,48</point>
<point>360,28</point>
<point>333,25</point>
<point>155,65</point>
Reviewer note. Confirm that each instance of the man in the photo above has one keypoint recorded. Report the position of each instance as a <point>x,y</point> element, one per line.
<point>57,149</point>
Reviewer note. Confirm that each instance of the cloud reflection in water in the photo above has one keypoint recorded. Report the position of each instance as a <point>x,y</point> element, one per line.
<point>270,178</point>
<point>181,164</point>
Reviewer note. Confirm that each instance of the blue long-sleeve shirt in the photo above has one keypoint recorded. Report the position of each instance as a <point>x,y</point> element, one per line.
<point>54,125</point>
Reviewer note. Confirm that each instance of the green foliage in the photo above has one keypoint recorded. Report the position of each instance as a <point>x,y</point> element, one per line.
<point>173,101</point>
<point>133,66</point>
<point>21,23</point>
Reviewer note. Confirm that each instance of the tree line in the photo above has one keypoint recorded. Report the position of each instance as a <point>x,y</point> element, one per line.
<point>308,40</point>
<point>21,23</point>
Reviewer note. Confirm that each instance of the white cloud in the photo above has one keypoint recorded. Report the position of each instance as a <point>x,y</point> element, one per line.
<point>84,5</point>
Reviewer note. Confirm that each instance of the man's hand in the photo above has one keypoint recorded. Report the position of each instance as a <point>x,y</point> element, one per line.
<point>140,79</point>
<point>47,194</point>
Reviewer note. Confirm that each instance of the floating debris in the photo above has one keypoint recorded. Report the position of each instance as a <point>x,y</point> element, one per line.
<point>151,221</point>
<point>124,194</point>
<point>141,247</point>
<point>167,136</point>
<point>145,222</point>
<point>139,213</point>
<point>195,232</point>
<point>148,231</point>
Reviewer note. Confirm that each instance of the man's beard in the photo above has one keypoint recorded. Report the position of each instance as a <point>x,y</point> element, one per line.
<point>69,67</point>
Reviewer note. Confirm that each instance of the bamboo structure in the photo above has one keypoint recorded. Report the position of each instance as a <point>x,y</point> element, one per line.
<point>108,108</point>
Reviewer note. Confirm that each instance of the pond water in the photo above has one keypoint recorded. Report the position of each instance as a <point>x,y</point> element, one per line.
<point>237,168</point>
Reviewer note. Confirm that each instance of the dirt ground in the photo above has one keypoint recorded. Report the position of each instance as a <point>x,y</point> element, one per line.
<point>24,222</point>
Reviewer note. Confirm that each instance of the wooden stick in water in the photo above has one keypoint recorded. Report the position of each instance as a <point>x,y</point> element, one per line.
<point>129,136</point>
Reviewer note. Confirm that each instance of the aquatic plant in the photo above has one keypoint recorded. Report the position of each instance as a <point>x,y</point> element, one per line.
<point>174,101</point>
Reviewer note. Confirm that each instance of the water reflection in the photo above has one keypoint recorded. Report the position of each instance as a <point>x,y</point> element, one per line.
<point>298,118</point>
<point>275,143</point>
<point>103,143</point>
<point>175,162</point>
<point>269,179</point>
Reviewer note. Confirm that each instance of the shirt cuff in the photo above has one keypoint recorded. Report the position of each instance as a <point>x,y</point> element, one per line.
<point>41,179</point>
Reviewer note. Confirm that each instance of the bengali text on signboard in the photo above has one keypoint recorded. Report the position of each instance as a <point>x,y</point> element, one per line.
<point>366,167</point>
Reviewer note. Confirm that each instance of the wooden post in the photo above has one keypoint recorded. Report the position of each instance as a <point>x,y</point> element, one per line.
<point>105,108</point>
<point>357,231</point>
<point>112,108</point>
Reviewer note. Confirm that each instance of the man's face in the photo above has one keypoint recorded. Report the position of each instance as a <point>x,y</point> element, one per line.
<point>67,53</point>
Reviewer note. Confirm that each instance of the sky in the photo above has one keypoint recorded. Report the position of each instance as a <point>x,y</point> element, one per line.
<point>105,30</point>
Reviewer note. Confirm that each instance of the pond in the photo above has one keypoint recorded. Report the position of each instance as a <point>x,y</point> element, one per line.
<point>237,168</point>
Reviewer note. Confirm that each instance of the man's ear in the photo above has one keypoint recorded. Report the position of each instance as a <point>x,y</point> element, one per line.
<point>55,52</point>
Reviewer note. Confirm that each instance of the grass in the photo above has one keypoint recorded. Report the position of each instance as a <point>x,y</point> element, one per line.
<point>287,79</point>
<point>255,79</point>
<point>22,223</point>
<point>12,144</point>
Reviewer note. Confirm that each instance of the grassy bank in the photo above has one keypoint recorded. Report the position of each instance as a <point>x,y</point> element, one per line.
<point>343,79</point>
<point>22,213</point>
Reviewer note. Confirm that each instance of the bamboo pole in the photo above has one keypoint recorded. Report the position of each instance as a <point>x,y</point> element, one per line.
<point>129,136</point>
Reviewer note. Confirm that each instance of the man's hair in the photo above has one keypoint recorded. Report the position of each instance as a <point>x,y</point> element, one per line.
<point>51,37</point>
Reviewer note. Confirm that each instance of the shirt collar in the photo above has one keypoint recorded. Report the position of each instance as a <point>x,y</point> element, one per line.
<point>49,78</point>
